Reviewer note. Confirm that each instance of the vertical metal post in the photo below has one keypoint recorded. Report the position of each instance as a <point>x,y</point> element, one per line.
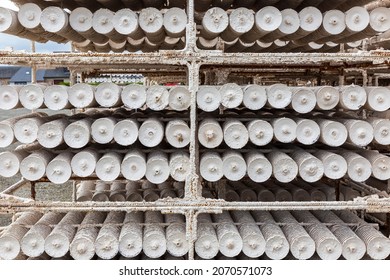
<point>33,191</point>
<point>193,187</point>
<point>73,77</point>
<point>191,229</point>
<point>191,27</point>
<point>33,67</point>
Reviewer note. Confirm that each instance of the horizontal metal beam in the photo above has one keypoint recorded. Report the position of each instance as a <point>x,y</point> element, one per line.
<point>370,205</point>
<point>139,60</point>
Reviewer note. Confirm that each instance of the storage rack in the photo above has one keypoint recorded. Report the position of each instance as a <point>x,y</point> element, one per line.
<point>194,62</point>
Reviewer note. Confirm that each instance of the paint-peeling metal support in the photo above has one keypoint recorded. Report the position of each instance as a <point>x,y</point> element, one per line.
<point>371,204</point>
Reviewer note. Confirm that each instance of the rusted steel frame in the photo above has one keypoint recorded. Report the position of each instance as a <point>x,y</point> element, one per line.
<point>182,58</point>
<point>11,199</point>
<point>204,205</point>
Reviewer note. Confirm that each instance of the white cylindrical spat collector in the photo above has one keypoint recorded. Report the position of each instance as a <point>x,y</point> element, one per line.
<point>101,192</point>
<point>84,191</point>
<point>34,166</point>
<point>230,241</point>
<point>360,133</point>
<point>26,130</point>
<point>130,238</point>
<point>126,132</point>
<point>260,132</point>
<point>241,20</point>
<point>214,22</point>
<point>303,100</point>
<point>284,168</point>
<point>235,134</point>
<point>378,99</point>
<point>381,130</point>
<point>279,96</point>
<point>310,168</point>
<point>84,162</point>
<point>83,244</point>
<point>151,22</point>
<point>233,166</point>
<point>208,98</point>
<point>175,22</point>
<point>134,96</point>
<point>284,130</point>
<point>154,242</point>
<point>82,96</point>
<point>151,133</point>
<point>125,22</point>
<point>108,95</point>
<point>134,165</point>
<point>206,244</point>
<point>177,133</point>
<point>177,244</point>
<point>308,131</point>
<point>58,242</point>
<point>359,168</point>
<point>33,243</point>
<point>335,166</point>
<point>102,130</point>
<point>31,96</point>
<point>9,97</point>
<point>333,133</point>
<point>258,167</point>
<point>108,167</point>
<point>352,97</point>
<point>211,167</point>
<point>179,98</point>
<point>255,97</point>
<point>380,164</point>
<point>179,165</point>
<point>78,134</point>
<point>157,98</point>
<point>107,242</point>
<point>210,133</point>
<point>157,168</point>
<point>56,98</point>
<point>52,134</point>
<point>10,163</point>
<point>59,170</point>
<point>327,97</point>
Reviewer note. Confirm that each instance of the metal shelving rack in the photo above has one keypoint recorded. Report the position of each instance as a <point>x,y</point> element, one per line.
<point>192,61</point>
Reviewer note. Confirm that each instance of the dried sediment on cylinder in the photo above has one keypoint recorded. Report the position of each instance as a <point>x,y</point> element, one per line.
<point>58,242</point>
<point>11,238</point>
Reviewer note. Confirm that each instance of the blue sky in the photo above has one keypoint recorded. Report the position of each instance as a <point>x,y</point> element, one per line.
<point>22,44</point>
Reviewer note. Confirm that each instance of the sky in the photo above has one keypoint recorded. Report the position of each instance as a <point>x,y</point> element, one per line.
<point>17,43</point>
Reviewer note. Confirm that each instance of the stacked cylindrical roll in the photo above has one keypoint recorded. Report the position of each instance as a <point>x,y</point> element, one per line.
<point>281,28</point>
<point>105,95</point>
<point>253,234</point>
<point>99,29</point>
